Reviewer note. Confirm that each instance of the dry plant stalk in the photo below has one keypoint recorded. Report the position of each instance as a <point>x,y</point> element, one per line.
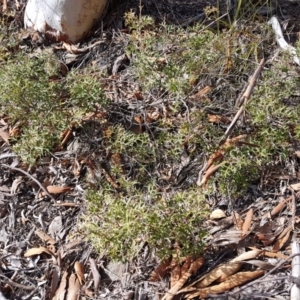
<point>295,291</point>
<point>247,223</point>
<point>246,96</point>
<point>218,156</point>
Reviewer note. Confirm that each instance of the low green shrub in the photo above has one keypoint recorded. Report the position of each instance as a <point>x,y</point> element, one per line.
<point>42,103</point>
<point>120,224</point>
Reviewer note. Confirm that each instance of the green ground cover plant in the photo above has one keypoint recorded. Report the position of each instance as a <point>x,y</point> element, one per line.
<point>172,62</point>
<point>175,61</point>
<point>44,104</point>
<point>119,225</point>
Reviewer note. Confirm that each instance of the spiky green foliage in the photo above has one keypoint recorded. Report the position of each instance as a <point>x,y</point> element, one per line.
<point>42,106</point>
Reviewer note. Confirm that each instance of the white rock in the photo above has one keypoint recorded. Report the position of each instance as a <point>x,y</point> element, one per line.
<point>217,214</point>
<point>70,19</point>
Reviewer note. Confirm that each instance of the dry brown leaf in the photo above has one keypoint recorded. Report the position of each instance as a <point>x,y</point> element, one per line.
<point>76,167</point>
<point>14,131</point>
<point>195,265</point>
<point>61,292</point>
<point>247,223</point>
<point>220,273</point>
<point>96,274</point>
<point>186,265</point>
<point>54,189</point>
<point>160,271</point>
<point>175,275</point>
<point>79,269</point>
<point>268,232</point>
<point>272,254</point>
<point>138,95</point>
<point>44,236</point>
<point>229,63</point>
<point>37,251</point>
<point>261,264</point>
<point>54,282</point>
<point>233,281</point>
<point>110,179</point>
<point>73,288</point>
<point>237,220</point>
<point>212,169</point>
<point>282,239</point>
<point>217,157</point>
<point>227,237</point>
<point>280,206</point>
<point>247,255</point>
<point>4,135</point>
<point>217,119</point>
<point>202,94</point>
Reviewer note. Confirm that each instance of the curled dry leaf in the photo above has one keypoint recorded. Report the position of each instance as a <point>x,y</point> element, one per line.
<point>195,265</point>
<point>44,236</point>
<point>272,255</point>
<point>54,190</point>
<point>96,274</point>
<point>261,264</point>
<point>247,223</point>
<point>4,135</point>
<point>79,269</point>
<point>237,220</point>
<point>233,281</point>
<point>227,237</point>
<point>73,288</point>
<point>247,255</point>
<point>61,292</point>
<point>209,172</point>
<point>280,206</point>
<point>217,119</point>
<point>268,232</point>
<point>186,265</point>
<point>220,273</point>
<point>38,251</point>
<point>160,271</point>
<point>54,282</point>
<point>175,275</point>
<point>201,95</point>
<point>282,239</point>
